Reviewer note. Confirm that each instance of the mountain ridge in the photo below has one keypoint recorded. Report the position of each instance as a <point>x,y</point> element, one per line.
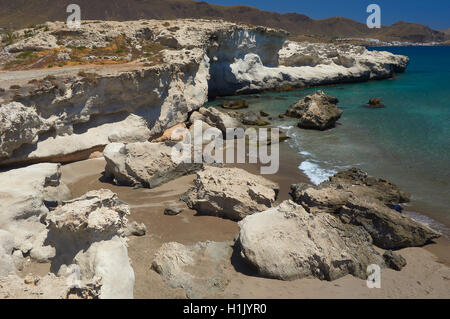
<point>22,13</point>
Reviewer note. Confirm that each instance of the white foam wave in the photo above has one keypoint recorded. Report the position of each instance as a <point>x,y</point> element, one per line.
<point>315,173</point>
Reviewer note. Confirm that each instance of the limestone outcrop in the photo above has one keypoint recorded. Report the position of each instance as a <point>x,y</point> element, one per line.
<point>286,242</point>
<point>356,60</point>
<point>230,193</point>
<point>317,111</point>
<point>199,269</point>
<point>146,164</point>
<point>27,195</point>
<point>129,81</point>
<point>89,232</point>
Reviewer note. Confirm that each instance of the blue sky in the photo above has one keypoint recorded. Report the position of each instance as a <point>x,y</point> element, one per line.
<point>434,13</point>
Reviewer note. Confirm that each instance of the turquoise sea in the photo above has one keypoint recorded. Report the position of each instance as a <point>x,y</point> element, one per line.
<point>407,143</point>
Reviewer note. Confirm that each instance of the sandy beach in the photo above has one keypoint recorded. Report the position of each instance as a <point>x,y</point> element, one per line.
<point>427,274</point>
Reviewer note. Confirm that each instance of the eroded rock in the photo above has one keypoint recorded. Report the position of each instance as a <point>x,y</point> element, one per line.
<point>388,228</point>
<point>220,120</point>
<point>230,193</point>
<point>316,111</point>
<point>88,232</point>
<point>26,195</point>
<point>394,260</point>
<point>365,201</point>
<point>146,164</point>
<point>286,242</point>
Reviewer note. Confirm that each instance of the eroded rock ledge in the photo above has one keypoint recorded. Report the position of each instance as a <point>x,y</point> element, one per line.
<point>129,81</point>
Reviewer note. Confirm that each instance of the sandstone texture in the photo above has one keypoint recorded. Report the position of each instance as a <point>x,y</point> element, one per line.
<point>316,111</point>
<point>230,193</point>
<point>198,269</point>
<point>286,242</point>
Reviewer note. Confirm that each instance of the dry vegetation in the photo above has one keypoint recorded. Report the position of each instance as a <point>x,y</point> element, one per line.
<point>119,50</point>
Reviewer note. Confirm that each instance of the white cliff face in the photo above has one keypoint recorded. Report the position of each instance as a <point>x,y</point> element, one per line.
<point>70,112</point>
<point>305,64</point>
<point>25,194</point>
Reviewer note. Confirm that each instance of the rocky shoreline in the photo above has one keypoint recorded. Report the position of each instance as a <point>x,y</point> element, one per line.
<point>126,118</point>
<point>129,81</point>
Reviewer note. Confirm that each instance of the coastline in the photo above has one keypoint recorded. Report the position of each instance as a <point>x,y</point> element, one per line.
<point>123,122</point>
<point>425,276</point>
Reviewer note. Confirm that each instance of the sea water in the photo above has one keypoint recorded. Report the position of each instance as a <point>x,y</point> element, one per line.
<point>407,142</point>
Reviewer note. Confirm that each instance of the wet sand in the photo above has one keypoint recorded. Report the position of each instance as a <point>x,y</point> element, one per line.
<point>427,274</point>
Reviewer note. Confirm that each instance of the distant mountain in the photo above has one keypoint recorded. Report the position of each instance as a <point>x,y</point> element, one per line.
<point>22,13</point>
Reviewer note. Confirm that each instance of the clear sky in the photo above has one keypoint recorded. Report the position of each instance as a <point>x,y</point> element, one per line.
<point>433,13</point>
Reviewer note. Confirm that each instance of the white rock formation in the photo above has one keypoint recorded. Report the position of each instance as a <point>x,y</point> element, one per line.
<point>46,287</point>
<point>24,194</point>
<point>230,193</point>
<point>131,102</point>
<point>145,164</point>
<point>89,232</point>
<point>286,242</point>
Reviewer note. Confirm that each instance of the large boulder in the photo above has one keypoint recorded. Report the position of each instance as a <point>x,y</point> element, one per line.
<point>230,193</point>
<point>388,228</point>
<point>89,232</point>
<point>365,201</point>
<point>316,111</point>
<point>363,185</point>
<point>218,119</point>
<point>286,242</point>
<point>199,268</point>
<point>352,183</point>
<point>144,163</point>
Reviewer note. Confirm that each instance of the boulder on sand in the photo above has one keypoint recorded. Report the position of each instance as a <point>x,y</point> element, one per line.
<point>89,232</point>
<point>394,260</point>
<point>218,119</point>
<point>286,242</point>
<point>316,111</point>
<point>349,182</point>
<point>388,228</point>
<point>144,163</point>
<point>365,201</point>
<point>230,193</point>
